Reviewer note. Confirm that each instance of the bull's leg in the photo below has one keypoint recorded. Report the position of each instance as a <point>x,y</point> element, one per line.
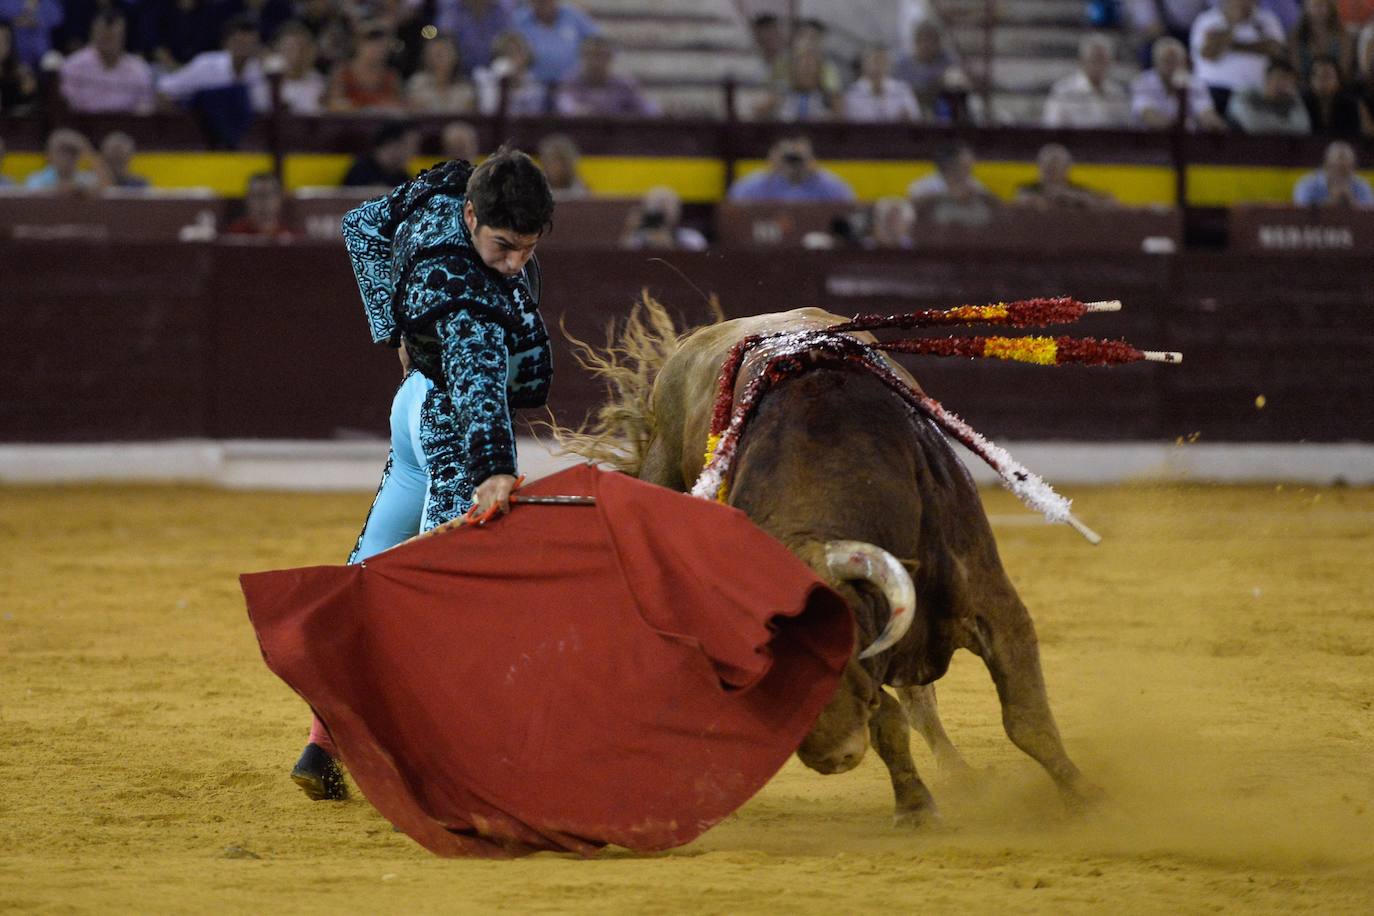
<point>888,728</point>
<point>924,715</point>
<point>1005,639</point>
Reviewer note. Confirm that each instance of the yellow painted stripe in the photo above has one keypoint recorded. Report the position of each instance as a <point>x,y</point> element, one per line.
<point>702,180</point>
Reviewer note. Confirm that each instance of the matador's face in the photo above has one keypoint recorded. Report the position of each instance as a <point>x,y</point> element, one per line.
<point>503,250</point>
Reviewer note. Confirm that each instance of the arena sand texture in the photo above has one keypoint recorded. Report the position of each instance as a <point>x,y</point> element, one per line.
<point>1211,665</point>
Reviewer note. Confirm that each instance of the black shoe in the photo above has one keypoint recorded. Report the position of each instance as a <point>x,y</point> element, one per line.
<point>319,775</point>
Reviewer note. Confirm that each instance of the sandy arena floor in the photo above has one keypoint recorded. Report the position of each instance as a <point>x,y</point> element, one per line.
<point>1211,665</point>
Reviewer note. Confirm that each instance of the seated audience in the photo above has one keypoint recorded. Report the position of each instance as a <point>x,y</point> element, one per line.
<point>791,176</point>
<point>1089,97</point>
<point>893,220</point>
<point>117,151</point>
<point>474,26</point>
<point>66,151</point>
<point>1274,109</point>
<point>952,196</point>
<point>18,86</point>
<point>1154,93</point>
<point>367,82</point>
<point>595,91</point>
<point>235,66</point>
<point>927,69</point>
<point>302,86</point>
<point>1331,108</point>
<point>807,95</point>
<point>31,24</point>
<point>1319,35</point>
<point>439,87</point>
<point>1285,11</point>
<point>554,31</point>
<point>510,79</point>
<point>1232,43</point>
<point>657,223</point>
<point>772,47</point>
<point>331,28</point>
<point>1152,20</point>
<point>876,95</point>
<point>263,204</point>
<point>458,140</point>
<point>1055,190</point>
<point>102,77</point>
<point>387,162</point>
<point>1335,184</point>
<point>270,15</point>
<point>558,157</point>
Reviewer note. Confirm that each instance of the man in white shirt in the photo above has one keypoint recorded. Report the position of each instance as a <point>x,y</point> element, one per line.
<point>876,96</point>
<point>1154,93</point>
<point>1089,98</point>
<point>236,65</point>
<point>102,78</point>
<point>1232,44</point>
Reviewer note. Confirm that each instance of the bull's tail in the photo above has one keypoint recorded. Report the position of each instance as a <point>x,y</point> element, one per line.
<point>618,432</point>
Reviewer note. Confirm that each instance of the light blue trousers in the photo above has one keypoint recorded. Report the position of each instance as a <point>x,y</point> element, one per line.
<point>399,508</point>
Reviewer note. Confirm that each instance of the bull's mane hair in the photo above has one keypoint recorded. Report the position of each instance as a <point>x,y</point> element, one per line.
<point>617,433</point>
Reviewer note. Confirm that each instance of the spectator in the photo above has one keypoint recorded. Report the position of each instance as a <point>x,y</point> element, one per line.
<point>510,75</point>
<point>1285,11</point>
<point>1231,44</point>
<point>792,176</point>
<point>876,96</point>
<point>387,163</point>
<point>331,29</point>
<point>236,66</point>
<point>594,91</point>
<point>1155,19</point>
<point>17,84</point>
<point>102,77</point>
<point>474,25</point>
<point>263,205</point>
<point>657,223</point>
<point>366,82</point>
<point>926,70</point>
<point>1275,109</point>
<point>1331,108</point>
<point>554,31</point>
<point>1055,190</point>
<point>1154,93</point>
<point>31,22</point>
<point>179,30</point>
<point>558,157</point>
<point>440,87</point>
<point>458,140</point>
<point>117,151</point>
<point>302,86</point>
<point>1335,184</point>
<point>807,96</point>
<point>67,149</point>
<point>1320,34</point>
<point>894,218</point>
<point>953,196</point>
<point>1355,13</point>
<point>270,15</point>
<point>1089,98</point>
<point>772,47</point>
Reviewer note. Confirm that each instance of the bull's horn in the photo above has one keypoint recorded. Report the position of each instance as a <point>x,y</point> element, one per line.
<point>858,560</point>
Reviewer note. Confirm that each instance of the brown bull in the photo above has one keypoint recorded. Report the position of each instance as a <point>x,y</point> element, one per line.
<point>830,458</point>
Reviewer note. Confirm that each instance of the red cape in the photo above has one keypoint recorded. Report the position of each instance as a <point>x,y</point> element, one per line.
<point>564,677</point>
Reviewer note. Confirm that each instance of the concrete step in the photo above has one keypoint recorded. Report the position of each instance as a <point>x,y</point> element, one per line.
<point>1035,74</point>
<point>648,33</point>
<point>678,100</point>
<point>1020,40</point>
<point>724,10</point>
<point>1018,12</point>
<point>691,66</point>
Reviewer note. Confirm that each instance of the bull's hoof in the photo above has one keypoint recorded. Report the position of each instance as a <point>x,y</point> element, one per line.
<point>1083,797</point>
<point>319,775</point>
<point>918,818</point>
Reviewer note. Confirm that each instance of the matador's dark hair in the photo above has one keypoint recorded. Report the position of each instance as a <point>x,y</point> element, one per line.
<point>508,191</point>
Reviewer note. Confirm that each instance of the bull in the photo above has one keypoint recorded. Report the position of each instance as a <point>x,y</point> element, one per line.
<point>868,493</point>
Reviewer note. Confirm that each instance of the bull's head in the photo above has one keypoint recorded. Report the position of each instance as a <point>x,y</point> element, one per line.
<point>839,739</point>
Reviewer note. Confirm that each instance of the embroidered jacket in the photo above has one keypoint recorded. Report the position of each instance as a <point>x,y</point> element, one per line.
<point>476,334</point>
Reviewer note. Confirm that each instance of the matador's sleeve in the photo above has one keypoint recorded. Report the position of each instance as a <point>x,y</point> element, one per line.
<point>367,236</point>
<point>531,365</point>
<point>475,360</point>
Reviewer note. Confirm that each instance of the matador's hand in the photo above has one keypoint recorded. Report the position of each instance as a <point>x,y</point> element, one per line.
<point>493,493</point>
